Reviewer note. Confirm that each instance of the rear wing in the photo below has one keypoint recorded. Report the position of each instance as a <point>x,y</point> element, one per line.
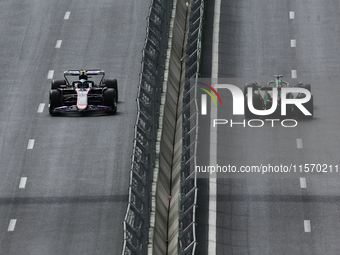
<point>86,72</point>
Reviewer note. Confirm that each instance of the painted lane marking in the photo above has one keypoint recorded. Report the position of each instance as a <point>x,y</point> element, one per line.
<point>41,108</point>
<point>213,135</point>
<point>293,43</point>
<point>306,224</point>
<point>299,143</point>
<point>291,15</point>
<point>58,44</point>
<point>67,15</point>
<point>12,224</point>
<point>294,74</point>
<point>303,183</point>
<point>50,74</point>
<point>30,144</point>
<point>23,182</point>
<point>204,104</point>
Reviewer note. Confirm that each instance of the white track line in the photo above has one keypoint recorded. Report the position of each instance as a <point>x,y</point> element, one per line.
<point>306,225</point>
<point>213,135</point>
<point>204,104</point>
<point>299,144</point>
<point>58,44</point>
<point>41,108</point>
<point>30,144</point>
<point>67,15</point>
<point>12,224</point>
<point>50,74</point>
<point>291,15</point>
<point>294,74</point>
<point>293,43</point>
<point>303,183</point>
<point>23,182</point>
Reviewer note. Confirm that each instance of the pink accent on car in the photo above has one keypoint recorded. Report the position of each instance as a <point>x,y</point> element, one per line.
<point>82,98</point>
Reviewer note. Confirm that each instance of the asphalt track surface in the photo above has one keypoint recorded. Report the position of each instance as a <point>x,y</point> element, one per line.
<point>274,214</point>
<point>75,196</point>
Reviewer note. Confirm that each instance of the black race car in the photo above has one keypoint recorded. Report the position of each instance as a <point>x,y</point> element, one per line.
<point>83,94</point>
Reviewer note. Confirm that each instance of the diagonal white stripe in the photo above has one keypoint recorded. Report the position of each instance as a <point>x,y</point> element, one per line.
<point>299,143</point>
<point>50,74</point>
<point>67,15</point>
<point>41,108</point>
<point>306,224</point>
<point>12,224</point>
<point>30,144</point>
<point>22,183</point>
<point>58,44</point>
<point>303,183</point>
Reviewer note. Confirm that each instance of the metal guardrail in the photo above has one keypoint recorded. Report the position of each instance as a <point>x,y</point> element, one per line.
<point>187,225</point>
<point>137,219</point>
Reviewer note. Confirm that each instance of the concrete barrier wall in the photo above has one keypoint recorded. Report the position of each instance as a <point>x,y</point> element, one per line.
<point>163,234</point>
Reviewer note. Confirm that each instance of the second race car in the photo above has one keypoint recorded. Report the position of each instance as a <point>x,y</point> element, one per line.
<point>262,98</point>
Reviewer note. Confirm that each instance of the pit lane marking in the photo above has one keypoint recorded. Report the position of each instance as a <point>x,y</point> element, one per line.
<point>50,74</point>
<point>67,15</point>
<point>299,143</point>
<point>293,43</point>
<point>23,182</point>
<point>306,224</point>
<point>303,183</point>
<point>30,144</point>
<point>291,15</point>
<point>294,74</point>
<point>11,225</point>
<point>58,44</point>
<point>41,108</point>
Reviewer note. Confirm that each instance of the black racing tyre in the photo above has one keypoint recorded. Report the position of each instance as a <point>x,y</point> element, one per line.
<point>257,103</point>
<point>305,86</point>
<point>55,100</point>
<point>112,83</point>
<point>310,107</point>
<point>247,85</point>
<point>109,98</point>
<point>55,84</point>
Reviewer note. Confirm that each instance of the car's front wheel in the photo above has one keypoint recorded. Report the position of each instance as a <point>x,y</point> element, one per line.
<point>257,103</point>
<point>110,99</point>
<point>55,100</point>
<point>55,84</point>
<point>309,106</point>
<point>249,85</point>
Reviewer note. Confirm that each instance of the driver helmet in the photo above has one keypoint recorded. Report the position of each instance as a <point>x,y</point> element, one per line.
<point>83,76</point>
<point>279,80</point>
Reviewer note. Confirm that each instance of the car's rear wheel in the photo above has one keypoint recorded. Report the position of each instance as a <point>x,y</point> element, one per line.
<point>308,105</point>
<point>112,83</point>
<point>55,100</point>
<point>55,84</point>
<point>110,99</point>
<point>305,86</point>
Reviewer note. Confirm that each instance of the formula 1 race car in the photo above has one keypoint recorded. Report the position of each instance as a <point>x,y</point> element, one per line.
<point>82,94</point>
<point>262,98</point>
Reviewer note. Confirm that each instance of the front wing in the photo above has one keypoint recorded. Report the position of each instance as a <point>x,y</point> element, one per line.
<point>74,108</point>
